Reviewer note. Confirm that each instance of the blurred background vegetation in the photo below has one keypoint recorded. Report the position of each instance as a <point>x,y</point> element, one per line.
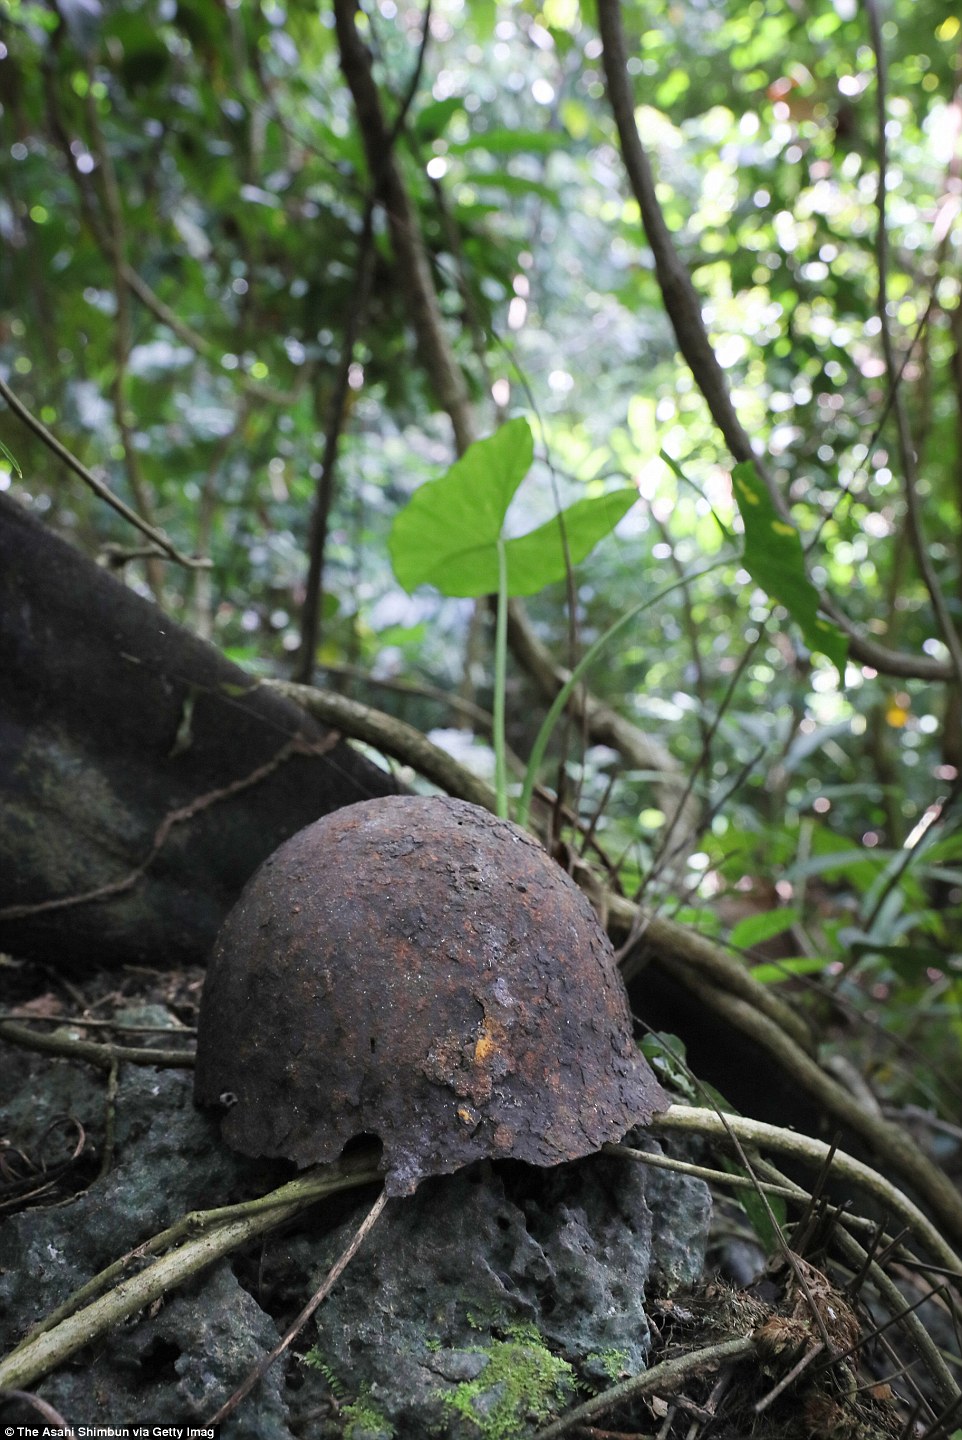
<point>197,292</point>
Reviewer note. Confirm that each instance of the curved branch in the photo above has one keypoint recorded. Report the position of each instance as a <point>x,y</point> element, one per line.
<point>392,737</point>
<point>684,311</point>
<point>694,958</point>
<point>664,1378</point>
<point>818,1154</point>
<point>103,1056</point>
<point>907,452</point>
<point>404,227</point>
<point>679,294</point>
<point>894,1148</point>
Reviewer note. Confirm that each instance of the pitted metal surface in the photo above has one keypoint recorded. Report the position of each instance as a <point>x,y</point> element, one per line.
<point>416,969</point>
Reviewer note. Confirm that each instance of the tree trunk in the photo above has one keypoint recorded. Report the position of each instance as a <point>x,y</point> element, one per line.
<point>143,777</point>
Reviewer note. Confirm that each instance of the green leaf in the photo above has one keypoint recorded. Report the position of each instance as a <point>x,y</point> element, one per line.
<point>510,142</point>
<point>765,1220</point>
<point>444,534</point>
<point>433,120</point>
<point>538,558</point>
<point>756,929</point>
<point>448,534</point>
<point>909,961</point>
<point>521,185</point>
<point>785,969</point>
<point>774,559</point>
<point>665,1054</point>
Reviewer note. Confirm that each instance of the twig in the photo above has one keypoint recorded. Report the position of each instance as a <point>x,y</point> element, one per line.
<point>789,1378</point>
<point>42,1352</point>
<point>321,1294</point>
<point>97,486</point>
<point>196,1222</point>
<point>640,750</point>
<point>46,1411</point>
<point>860,1258</point>
<point>664,1377</point>
<point>88,1023</point>
<point>678,292</point>
<point>913,512</point>
<point>814,1152</point>
<point>310,619</point>
<point>404,226</point>
<point>363,282</point>
<point>116,235</point>
<point>110,1119</point>
<point>414,689</point>
<point>392,737</point>
<point>103,1056</point>
<point>256,389</point>
<point>709,1175</point>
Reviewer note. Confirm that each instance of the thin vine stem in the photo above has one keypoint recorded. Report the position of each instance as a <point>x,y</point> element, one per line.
<point>500,681</point>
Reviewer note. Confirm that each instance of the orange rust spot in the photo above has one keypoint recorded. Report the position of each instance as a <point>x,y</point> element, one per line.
<point>485,1045</point>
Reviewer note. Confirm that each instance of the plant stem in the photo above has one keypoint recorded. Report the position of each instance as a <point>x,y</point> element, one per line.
<point>590,655</point>
<point>500,680</point>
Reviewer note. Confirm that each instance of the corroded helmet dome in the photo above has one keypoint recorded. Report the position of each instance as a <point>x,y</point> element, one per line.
<point>415,969</point>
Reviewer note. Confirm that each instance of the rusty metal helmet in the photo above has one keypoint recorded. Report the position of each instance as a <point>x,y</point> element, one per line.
<point>416,969</point>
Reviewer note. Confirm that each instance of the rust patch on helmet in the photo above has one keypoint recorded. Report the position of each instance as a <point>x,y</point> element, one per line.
<point>419,970</point>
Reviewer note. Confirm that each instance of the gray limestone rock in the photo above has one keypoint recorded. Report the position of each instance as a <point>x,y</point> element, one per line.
<point>473,1309</point>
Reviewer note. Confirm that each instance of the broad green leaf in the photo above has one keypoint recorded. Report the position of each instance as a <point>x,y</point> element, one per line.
<point>448,522</point>
<point>756,929</point>
<point>538,558</point>
<point>910,962</point>
<point>860,868</point>
<point>449,533</point>
<point>773,558</point>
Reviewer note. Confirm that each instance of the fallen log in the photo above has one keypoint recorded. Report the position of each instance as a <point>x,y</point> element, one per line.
<point>143,776</point>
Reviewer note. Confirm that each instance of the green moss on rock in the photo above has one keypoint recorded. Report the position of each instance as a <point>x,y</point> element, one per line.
<point>522,1383</point>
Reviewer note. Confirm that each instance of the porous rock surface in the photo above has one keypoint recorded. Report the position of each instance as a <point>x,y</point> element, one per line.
<point>444,1285</point>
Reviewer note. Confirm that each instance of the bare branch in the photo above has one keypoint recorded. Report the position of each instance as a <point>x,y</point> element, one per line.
<point>907,453</point>
<point>97,486</point>
<point>684,310</point>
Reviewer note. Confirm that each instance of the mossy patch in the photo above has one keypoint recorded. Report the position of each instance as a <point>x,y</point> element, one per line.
<point>614,1363</point>
<point>521,1384</point>
<point>362,1419</point>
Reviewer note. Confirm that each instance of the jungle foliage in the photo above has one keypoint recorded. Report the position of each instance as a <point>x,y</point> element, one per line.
<point>202,298</point>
